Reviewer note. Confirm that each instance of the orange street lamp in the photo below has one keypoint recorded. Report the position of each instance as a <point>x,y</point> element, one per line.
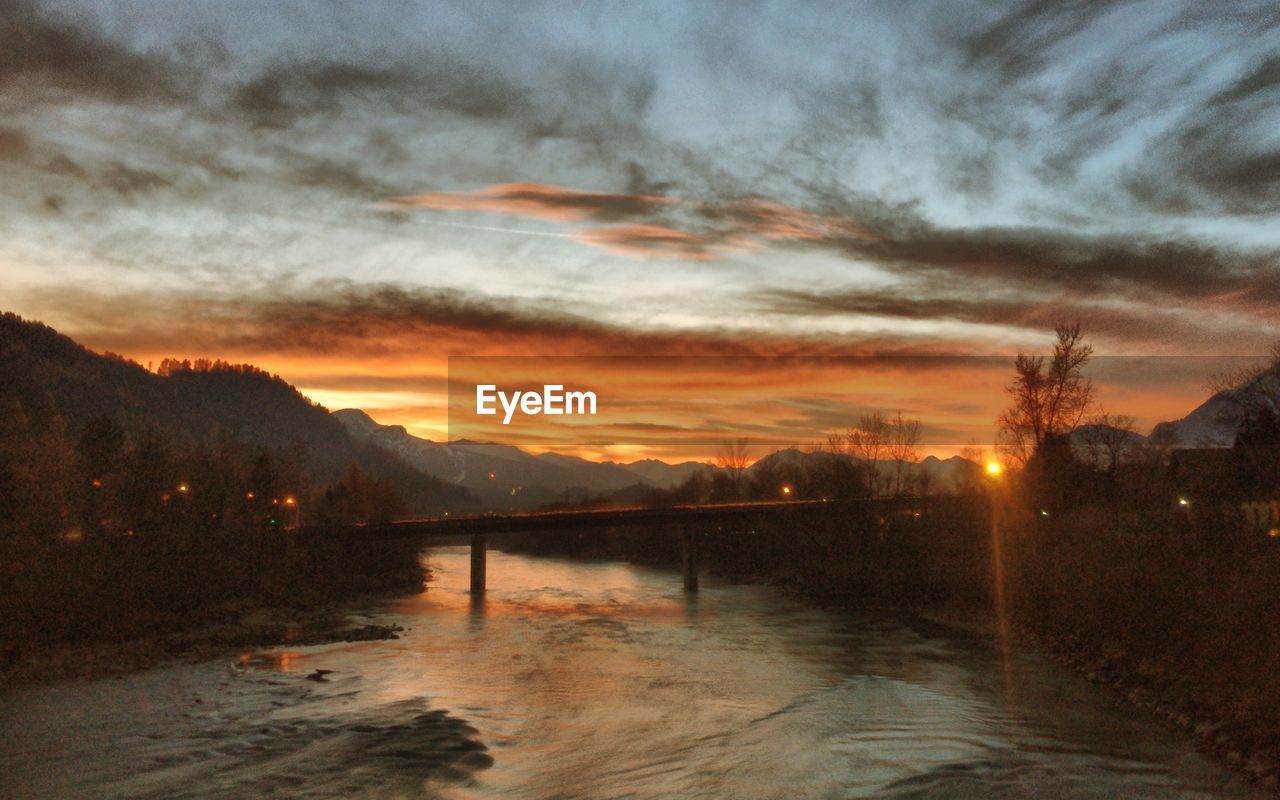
<point>786,490</point>
<point>183,488</point>
<point>994,468</point>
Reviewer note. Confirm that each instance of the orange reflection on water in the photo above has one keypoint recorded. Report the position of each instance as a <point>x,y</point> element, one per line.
<point>273,660</point>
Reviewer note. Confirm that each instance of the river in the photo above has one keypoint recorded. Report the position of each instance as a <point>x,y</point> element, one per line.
<point>602,680</point>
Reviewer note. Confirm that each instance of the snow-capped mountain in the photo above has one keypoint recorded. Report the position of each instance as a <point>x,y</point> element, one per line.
<point>508,477</point>
<point>1215,421</point>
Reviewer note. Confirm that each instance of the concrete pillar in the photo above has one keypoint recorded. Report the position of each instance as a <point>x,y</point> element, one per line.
<point>478,558</point>
<point>689,557</point>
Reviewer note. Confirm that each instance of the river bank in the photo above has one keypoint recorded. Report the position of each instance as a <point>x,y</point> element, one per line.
<point>110,607</point>
<point>229,630</point>
<point>1233,737</point>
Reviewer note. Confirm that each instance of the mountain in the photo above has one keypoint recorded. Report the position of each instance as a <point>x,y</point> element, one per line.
<point>940,475</point>
<point>49,376</point>
<point>661,474</point>
<point>505,477</point>
<point>1215,421</point>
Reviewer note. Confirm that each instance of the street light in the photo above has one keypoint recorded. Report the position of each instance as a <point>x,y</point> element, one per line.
<point>994,468</point>
<point>786,490</point>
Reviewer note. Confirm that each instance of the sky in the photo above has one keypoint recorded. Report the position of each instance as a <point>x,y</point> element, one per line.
<point>348,194</point>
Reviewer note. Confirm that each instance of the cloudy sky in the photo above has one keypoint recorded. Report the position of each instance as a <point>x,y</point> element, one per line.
<point>347,194</point>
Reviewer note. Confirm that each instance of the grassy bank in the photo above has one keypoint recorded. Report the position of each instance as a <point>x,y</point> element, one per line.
<point>1178,611</point>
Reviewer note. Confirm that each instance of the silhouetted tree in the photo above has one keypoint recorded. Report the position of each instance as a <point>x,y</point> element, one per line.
<point>733,459</point>
<point>869,442</point>
<point>1048,400</point>
<point>1108,439</point>
<point>98,454</point>
<point>1257,446</point>
<point>902,448</point>
<point>357,498</point>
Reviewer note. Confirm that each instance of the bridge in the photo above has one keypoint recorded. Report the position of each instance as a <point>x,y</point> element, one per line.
<point>690,518</point>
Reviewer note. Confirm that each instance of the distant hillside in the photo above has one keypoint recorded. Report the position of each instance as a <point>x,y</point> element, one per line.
<point>507,477</point>
<point>938,475</point>
<point>660,473</point>
<point>48,375</point>
<point>1214,422</point>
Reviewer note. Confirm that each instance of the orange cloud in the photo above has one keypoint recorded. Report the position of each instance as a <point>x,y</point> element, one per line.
<point>649,241</point>
<point>538,201</point>
<point>653,226</point>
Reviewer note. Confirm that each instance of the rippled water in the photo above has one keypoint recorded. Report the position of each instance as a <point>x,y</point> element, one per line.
<point>602,680</point>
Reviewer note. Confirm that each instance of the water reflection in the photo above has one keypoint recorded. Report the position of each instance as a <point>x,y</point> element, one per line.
<point>574,679</point>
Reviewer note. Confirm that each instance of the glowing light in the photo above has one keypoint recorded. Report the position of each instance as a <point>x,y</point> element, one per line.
<point>1182,501</point>
<point>492,475</point>
<point>786,490</point>
<point>994,468</point>
<point>1274,533</point>
<point>288,501</point>
<point>1044,513</point>
<point>248,495</point>
<point>97,484</point>
<point>183,488</point>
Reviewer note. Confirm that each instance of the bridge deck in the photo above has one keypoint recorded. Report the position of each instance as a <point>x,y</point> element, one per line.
<point>614,517</point>
<point>687,516</point>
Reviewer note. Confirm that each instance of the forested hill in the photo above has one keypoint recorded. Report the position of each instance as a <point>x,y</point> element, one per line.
<point>47,377</point>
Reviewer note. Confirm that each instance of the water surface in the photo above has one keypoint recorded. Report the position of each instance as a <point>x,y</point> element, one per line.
<point>603,680</point>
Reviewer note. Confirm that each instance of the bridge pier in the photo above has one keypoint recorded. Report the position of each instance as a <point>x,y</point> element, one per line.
<point>689,557</point>
<point>479,556</point>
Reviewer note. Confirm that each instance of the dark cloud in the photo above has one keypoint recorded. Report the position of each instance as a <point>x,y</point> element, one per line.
<point>344,176</point>
<point>126,180</point>
<point>585,99</point>
<point>1136,321</point>
<point>1222,154</point>
<point>339,319</point>
<point>896,238</point>
<point>43,55</point>
<point>285,92</point>
<point>1052,258</point>
<point>14,144</point>
<point>61,164</point>
<point>1020,43</point>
